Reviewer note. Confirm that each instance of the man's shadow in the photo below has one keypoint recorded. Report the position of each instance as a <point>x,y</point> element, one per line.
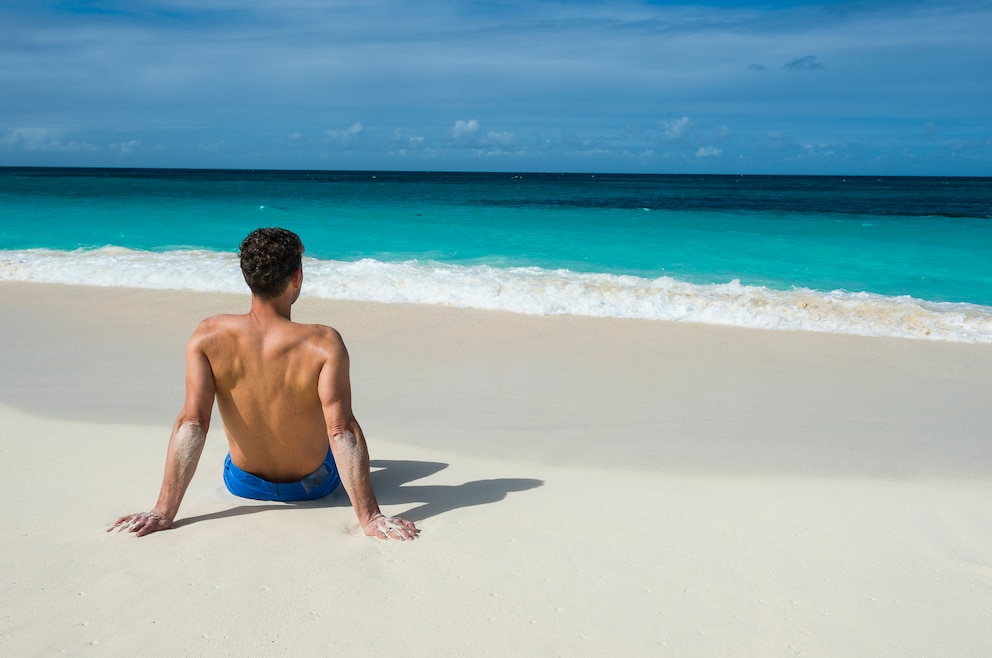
<point>390,479</point>
<point>393,478</point>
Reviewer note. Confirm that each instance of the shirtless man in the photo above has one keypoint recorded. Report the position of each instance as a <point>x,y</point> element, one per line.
<point>284,394</point>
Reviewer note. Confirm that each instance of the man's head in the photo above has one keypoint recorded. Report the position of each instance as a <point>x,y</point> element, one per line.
<point>269,258</point>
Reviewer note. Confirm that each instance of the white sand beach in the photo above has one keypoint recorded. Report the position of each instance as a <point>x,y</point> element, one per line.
<point>584,487</point>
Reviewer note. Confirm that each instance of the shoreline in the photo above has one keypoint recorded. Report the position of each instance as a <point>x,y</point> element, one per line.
<point>527,291</point>
<point>584,487</point>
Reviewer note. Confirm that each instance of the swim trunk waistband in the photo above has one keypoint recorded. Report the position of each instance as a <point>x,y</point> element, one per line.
<point>318,484</point>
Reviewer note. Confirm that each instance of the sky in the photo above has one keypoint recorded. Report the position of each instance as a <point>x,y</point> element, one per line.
<point>724,87</point>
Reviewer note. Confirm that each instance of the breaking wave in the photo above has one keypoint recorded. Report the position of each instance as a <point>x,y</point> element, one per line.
<point>528,290</point>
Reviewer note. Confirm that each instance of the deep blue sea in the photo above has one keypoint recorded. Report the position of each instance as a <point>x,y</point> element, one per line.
<point>867,255</point>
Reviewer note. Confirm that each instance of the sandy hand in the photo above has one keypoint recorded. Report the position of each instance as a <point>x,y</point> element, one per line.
<point>391,527</point>
<point>142,523</point>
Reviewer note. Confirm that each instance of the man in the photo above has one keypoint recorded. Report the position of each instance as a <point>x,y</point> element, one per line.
<point>284,393</point>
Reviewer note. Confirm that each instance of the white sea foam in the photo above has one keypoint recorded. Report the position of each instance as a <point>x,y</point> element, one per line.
<point>523,290</point>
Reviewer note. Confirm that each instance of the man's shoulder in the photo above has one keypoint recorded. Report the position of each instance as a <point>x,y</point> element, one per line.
<point>215,327</point>
<point>215,323</point>
<point>318,343</point>
<point>321,335</point>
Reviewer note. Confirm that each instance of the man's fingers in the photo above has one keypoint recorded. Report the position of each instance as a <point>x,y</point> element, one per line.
<point>117,524</point>
<point>395,528</point>
<point>402,529</point>
<point>141,524</point>
<point>409,530</point>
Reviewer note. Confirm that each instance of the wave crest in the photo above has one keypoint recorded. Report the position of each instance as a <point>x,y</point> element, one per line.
<point>523,290</point>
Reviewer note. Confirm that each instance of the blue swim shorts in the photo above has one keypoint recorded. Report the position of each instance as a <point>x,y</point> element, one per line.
<point>318,484</point>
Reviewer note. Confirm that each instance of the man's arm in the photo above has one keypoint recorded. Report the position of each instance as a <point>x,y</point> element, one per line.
<point>185,445</point>
<point>350,451</point>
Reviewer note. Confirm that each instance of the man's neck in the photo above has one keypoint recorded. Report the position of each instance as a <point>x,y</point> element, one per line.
<point>272,309</point>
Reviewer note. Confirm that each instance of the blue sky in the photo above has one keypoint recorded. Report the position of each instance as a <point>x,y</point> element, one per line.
<point>655,87</point>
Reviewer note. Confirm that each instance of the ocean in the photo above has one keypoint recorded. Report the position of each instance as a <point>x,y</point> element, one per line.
<point>877,256</point>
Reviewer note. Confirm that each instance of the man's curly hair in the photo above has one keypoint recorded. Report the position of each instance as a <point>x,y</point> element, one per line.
<point>269,257</point>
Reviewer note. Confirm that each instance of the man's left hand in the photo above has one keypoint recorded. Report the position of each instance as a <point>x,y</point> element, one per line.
<point>391,527</point>
<point>142,523</point>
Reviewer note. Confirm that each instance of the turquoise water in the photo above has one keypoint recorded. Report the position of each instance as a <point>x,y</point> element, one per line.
<point>627,246</point>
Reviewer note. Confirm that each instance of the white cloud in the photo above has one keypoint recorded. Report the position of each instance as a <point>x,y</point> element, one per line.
<point>399,137</point>
<point>465,129</point>
<point>677,128</point>
<point>598,153</point>
<point>708,152</point>
<point>469,133</point>
<point>505,138</point>
<point>29,138</point>
<point>498,152</point>
<point>125,148</point>
<point>42,139</point>
<point>345,137</point>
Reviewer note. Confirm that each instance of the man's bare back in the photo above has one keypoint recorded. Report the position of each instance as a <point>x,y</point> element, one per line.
<point>266,375</point>
<point>284,393</point>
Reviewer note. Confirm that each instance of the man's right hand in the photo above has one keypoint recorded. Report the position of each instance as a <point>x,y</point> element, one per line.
<point>391,527</point>
<point>142,523</point>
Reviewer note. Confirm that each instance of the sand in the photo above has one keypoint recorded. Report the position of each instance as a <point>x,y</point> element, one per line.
<point>584,487</point>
